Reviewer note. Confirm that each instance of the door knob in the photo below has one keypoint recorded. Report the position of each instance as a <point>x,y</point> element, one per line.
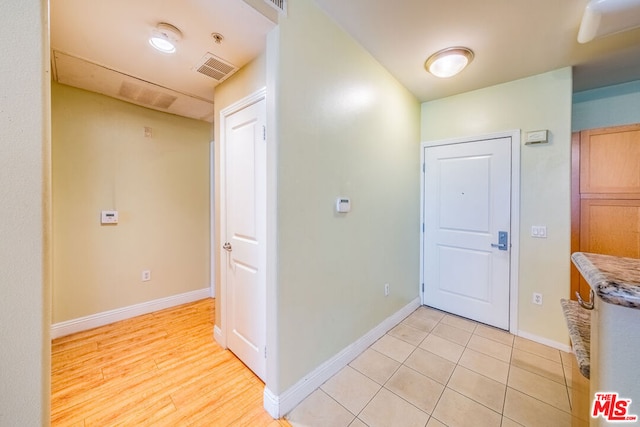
<point>227,247</point>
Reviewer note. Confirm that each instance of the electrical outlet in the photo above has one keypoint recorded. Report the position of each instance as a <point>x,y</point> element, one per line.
<point>537,298</point>
<point>146,275</point>
<point>386,289</point>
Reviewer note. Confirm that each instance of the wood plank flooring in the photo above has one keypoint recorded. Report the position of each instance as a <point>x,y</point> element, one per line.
<point>159,369</point>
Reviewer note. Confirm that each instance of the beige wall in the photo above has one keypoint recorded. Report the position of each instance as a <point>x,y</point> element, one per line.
<point>539,102</point>
<point>345,127</point>
<point>160,186</point>
<point>249,79</point>
<point>24,229</point>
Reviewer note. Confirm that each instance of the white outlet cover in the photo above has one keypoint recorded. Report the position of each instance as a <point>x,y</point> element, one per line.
<point>537,298</point>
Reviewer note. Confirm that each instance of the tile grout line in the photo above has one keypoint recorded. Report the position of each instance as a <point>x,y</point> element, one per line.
<point>448,379</point>
<point>506,386</point>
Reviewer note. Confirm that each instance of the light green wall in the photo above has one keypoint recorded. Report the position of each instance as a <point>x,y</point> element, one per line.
<point>160,186</point>
<point>249,79</point>
<point>608,106</point>
<point>539,102</point>
<point>345,128</point>
<point>24,229</point>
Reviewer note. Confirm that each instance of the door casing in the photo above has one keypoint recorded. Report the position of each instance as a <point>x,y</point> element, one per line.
<point>515,213</point>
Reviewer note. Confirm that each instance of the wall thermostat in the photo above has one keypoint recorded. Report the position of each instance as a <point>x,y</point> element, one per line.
<point>109,217</point>
<point>343,204</point>
<point>537,137</point>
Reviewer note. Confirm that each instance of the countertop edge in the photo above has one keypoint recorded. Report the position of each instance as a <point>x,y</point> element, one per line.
<point>579,324</point>
<point>606,287</point>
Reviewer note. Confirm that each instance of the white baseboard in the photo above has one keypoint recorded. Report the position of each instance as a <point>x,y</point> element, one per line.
<point>550,343</point>
<point>106,317</point>
<point>219,336</point>
<point>279,405</point>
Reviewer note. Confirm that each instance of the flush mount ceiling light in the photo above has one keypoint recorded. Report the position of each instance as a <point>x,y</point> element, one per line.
<point>449,62</point>
<point>165,37</point>
<point>604,17</point>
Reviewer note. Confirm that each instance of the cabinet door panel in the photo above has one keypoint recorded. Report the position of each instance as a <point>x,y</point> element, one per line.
<point>610,161</point>
<point>610,227</point>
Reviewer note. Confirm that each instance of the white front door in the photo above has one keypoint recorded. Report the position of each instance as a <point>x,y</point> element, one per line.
<point>467,204</point>
<point>243,223</point>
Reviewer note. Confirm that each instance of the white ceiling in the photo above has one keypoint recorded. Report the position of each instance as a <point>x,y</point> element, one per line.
<point>511,39</point>
<point>114,34</point>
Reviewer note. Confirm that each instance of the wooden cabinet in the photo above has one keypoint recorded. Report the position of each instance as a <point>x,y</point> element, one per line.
<point>605,195</point>
<point>610,227</point>
<point>610,162</point>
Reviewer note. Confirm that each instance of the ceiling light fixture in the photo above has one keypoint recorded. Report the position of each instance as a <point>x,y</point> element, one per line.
<point>449,62</point>
<point>165,37</point>
<point>604,17</point>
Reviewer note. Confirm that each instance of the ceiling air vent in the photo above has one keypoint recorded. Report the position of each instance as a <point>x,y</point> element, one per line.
<point>216,68</point>
<point>146,96</point>
<point>278,4</point>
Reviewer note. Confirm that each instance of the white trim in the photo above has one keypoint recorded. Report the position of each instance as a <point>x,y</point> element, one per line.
<point>271,320</point>
<point>421,233</point>
<point>515,228</point>
<point>212,217</point>
<point>546,341</point>
<point>221,336</point>
<point>271,403</point>
<point>279,405</point>
<point>106,317</point>
<point>515,136</point>
<point>243,103</point>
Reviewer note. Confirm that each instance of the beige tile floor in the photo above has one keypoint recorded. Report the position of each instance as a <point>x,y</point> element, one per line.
<point>436,369</point>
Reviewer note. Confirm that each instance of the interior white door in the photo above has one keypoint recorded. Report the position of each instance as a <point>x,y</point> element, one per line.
<point>244,234</point>
<point>467,203</point>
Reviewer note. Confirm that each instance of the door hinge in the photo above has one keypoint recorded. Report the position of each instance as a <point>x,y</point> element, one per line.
<point>423,168</point>
<point>423,227</point>
<point>423,288</point>
<point>264,133</point>
<point>265,351</point>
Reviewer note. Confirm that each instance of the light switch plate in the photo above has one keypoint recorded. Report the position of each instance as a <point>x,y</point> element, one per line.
<point>539,231</point>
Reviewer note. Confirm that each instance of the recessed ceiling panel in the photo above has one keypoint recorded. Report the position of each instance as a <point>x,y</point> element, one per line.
<point>86,75</point>
<point>115,34</point>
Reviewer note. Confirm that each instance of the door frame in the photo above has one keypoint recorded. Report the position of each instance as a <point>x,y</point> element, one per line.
<point>212,218</point>
<point>515,136</point>
<point>221,334</point>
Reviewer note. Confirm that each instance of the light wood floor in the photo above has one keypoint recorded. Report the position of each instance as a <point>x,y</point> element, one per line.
<point>161,369</point>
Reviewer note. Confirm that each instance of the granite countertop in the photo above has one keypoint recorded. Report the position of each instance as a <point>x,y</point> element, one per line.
<point>579,324</point>
<point>614,279</point>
